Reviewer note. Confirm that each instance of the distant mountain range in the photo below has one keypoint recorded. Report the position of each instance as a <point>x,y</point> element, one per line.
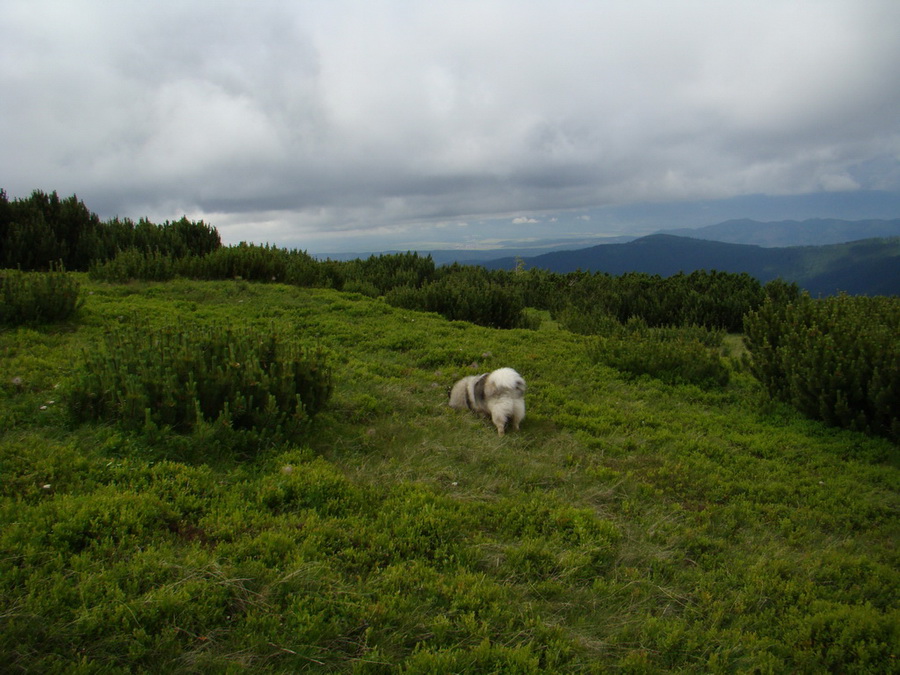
<point>815,232</point>
<point>823,256</point>
<point>475,256</point>
<point>868,267</point>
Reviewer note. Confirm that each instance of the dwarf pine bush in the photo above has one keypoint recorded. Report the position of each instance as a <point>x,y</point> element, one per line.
<point>184,376</point>
<point>253,263</point>
<point>585,301</point>
<point>132,264</point>
<point>37,297</point>
<point>466,295</point>
<point>592,321</point>
<point>835,359</point>
<point>673,362</point>
<point>387,271</point>
<point>687,355</point>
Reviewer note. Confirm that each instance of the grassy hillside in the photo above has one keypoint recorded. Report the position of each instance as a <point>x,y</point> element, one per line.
<point>630,526</point>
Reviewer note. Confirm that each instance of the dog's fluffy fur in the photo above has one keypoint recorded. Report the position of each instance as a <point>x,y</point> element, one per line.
<point>499,395</point>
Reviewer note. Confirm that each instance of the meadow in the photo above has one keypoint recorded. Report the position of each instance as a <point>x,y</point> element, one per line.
<point>635,524</point>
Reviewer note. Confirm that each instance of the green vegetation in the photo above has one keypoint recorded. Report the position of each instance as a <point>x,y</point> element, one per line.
<point>669,355</point>
<point>37,297</point>
<point>218,459</point>
<point>712,299</point>
<point>182,376</point>
<point>44,230</point>
<point>585,303</point>
<point>867,267</point>
<point>466,294</point>
<point>836,359</point>
<point>640,521</point>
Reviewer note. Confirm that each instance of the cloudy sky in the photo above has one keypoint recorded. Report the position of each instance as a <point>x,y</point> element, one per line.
<point>375,124</point>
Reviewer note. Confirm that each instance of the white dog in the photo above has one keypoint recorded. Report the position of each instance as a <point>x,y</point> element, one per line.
<point>499,395</point>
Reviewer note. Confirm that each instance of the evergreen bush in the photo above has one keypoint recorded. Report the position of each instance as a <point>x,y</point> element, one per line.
<point>248,262</point>
<point>585,302</point>
<point>674,355</point>
<point>37,297</point>
<point>588,321</point>
<point>362,287</point>
<point>134,264</point>
<point>41,229</point>
<point>387,271</point>
<point>185,377</point>
<point>466,294</point>
<point>836,359</point>
<point>253,263</point>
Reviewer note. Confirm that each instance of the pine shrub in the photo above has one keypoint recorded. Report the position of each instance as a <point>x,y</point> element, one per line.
<point>37,297</point>
<point>715,300</point>
<point>671,361</point>
<point>836,359</point>
<point>588,321</point>
<point>676,355</point>
<point>253,263</point>
<point>186,377</point>
<point>465,296</point>
<point>387,271</point>
<point>134,264</point>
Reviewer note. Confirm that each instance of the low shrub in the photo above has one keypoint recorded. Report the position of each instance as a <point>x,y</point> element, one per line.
<point>673,362</point>
<point>844,638</point>
<point>688,355</point>
<point>313,485</point>
<point>713,338</point>
<point>836,359</point>
<point>385,272</point>
<point>587,302</point>
<point>185,377</point>
<point>466,297</point>
<point>245,261</point>
<point>37,297</point>
<point>134,264</point>
<point>598,322</point>
<point>594,321</point>
<point>362,287</point>
<point>253,263</point>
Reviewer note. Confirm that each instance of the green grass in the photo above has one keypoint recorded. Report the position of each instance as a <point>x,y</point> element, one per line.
<point>630,526</point>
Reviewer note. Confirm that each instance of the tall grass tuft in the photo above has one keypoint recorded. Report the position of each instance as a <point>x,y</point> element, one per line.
<point>184,377</point>
<point>37,297</point>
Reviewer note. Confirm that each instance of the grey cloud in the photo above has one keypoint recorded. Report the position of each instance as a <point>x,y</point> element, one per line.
<point>300,119</point>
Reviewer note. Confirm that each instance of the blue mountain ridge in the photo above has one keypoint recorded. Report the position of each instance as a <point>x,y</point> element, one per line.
<point>867,267</point>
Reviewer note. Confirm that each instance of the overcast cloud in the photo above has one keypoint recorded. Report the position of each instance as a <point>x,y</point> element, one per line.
<point>327,124</point>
